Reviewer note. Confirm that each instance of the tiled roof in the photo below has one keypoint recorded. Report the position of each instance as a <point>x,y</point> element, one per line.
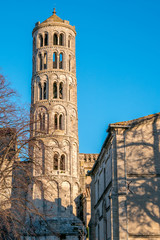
<point>134,121</point>
<point>53,18</point>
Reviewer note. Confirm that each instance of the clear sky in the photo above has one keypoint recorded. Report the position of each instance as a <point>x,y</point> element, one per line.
<point>117,52</point>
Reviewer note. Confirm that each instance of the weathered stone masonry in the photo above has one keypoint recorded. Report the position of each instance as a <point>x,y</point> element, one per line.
<point>59,186</point>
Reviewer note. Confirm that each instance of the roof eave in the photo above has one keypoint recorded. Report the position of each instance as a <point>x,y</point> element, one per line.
<point>117,126</point>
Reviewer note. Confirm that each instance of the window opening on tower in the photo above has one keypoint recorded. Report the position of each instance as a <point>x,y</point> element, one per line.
<point>61,39</point>
<point>55,39</point>
<point>43,122</point>
<point>45,60</point>
<point>54,90</point>
<point>40,120</point>
<point>46,39</point>
<point>55,162</point>
<point>61,61</point>
<point>61,122</point>
<point>62,163</point>
<point>33,68</point>
<point>40,40</point>
<point>61,90</point>
<point>34,44</point>
<point>69,42</point>
<point>45,91</point>
<point>54,60</point>
<point>40,91</point>
<point>40,61</point>
<point>56,121</point>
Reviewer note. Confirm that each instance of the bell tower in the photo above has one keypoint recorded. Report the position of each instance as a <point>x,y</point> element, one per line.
<point>54,110</point>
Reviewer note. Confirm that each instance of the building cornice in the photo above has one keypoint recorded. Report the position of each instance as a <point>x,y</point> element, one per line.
<point>50,24</point>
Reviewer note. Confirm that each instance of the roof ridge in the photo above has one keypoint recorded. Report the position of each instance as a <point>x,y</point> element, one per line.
<point>129,122</point>
<point>54,18</point>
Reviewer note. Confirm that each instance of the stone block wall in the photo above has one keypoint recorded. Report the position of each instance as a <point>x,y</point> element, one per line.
<point>130,203</point>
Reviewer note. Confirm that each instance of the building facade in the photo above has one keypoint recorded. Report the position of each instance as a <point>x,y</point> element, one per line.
<point>58,172</point>
<point>125,188</point>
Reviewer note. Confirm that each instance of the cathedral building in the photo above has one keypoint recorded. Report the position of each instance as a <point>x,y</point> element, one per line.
<point>60,189</point>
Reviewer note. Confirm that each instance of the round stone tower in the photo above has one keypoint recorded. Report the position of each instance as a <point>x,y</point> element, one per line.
<point>54,110</point>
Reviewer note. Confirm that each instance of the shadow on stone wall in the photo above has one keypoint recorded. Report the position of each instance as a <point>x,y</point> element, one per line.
<point>51,219</point>
<point>139,212</point>
<point>39,216</point>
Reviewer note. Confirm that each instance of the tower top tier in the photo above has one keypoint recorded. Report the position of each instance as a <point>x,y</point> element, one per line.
<point>53,20</point>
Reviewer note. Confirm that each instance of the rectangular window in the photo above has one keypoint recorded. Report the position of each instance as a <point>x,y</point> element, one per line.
<point>104,178</point>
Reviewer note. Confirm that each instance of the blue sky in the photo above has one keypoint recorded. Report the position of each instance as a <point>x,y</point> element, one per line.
<point>117,52</point>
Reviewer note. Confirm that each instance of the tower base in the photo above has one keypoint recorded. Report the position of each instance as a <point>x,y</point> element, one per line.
<point>57,228</point>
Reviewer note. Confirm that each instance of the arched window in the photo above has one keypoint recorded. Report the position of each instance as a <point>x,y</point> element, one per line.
<point>41,118</point>
<point>54,90</point>
<point>55,164</point>
<point>40,121</point>
<point>61,39</point>
<point>61,61</point>
<point>33,66</point>
<point>40,61</point>
<point>46,39</point>
<point>54,60</point>
<point>69,42</point>
<point>40,91</point>
<point>69,63</point>
<point>61,90</point>
<point>43,122</point>
<point>55,39</point>
<point>34,44</point>
<point>55,121</point>
<point>61,122</point>
<point>45,60</point>
<point>40,40</point>
<point>62,163</point>
<point>45,91</point>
